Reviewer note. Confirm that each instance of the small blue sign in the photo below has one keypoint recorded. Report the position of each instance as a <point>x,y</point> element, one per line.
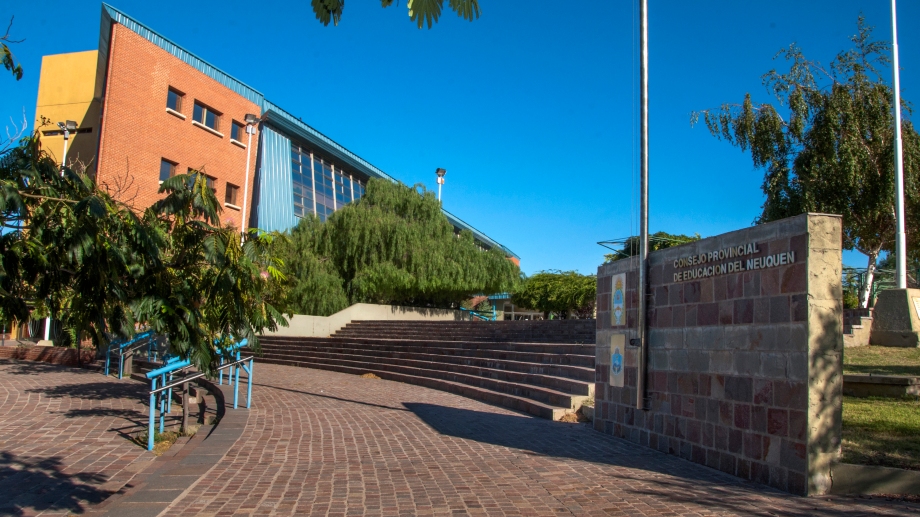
<point>616,361</point>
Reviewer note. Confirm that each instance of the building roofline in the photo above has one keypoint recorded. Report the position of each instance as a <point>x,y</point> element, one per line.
<point>110,14</point>
<point>275,115</point>
<point>279,117</point>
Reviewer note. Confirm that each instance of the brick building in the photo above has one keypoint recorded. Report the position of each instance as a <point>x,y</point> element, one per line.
<point>264,164</point>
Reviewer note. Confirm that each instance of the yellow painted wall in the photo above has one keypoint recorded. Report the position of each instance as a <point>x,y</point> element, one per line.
<point>70,88</point>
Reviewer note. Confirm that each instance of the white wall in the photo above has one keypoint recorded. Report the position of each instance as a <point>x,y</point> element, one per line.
<point>324,326</point>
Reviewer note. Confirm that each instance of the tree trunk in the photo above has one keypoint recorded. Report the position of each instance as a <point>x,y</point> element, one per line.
<point>870,276</point>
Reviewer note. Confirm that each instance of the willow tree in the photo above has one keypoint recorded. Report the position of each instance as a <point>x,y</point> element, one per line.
<point>829,144</point>
<point>420,11</point>
<point>392,246</point>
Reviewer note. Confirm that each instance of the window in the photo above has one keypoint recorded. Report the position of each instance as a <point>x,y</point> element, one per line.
<point>206,116</point>
<point>231,194</point>
<point>211,183</point>
<point>236,131</point>
<point>174,100</point>
<point>167,170</point>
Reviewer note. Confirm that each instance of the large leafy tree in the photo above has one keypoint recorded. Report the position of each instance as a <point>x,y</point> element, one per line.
<point>828,145</point>
<point>559,292</point>
<point>657,241</point>
<point>72,251</point>
<point>393,246</point>
<point>420,11</point>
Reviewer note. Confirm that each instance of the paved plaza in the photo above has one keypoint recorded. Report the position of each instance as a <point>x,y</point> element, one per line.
<point>325,443</point>
<point>63,442</point>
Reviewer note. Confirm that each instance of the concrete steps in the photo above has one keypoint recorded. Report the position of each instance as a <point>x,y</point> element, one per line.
<point>857,325</point>
<point>552,331</point>
<point>512,364</point>
<point>493,378</point>
<point>538,364</point>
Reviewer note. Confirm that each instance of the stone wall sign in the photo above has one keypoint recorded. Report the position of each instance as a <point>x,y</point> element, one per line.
<point>745,348</point>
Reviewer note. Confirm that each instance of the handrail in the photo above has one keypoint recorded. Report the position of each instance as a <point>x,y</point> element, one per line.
<point>479,314</point>
<point>168,368</point>
<point>124,348</point>
<point>199,375</point>
<point>162,397</point>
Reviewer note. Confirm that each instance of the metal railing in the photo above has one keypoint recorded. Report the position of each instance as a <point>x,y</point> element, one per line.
<point>474,314</point>
<point>161,398</point>
<point>855,278</point>
<point>125,348</point>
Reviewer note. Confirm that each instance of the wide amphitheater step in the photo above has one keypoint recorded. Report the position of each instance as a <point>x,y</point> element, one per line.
<point>552,331</point>
<point>545,368</point>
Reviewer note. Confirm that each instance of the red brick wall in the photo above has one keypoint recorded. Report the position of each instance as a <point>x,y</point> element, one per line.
<point>137,131</point>
<point>47,354</point>
<point>731,357</point>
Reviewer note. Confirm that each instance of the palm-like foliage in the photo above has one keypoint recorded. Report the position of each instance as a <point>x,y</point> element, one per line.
<point>73,251</point>
<point>420,11</point>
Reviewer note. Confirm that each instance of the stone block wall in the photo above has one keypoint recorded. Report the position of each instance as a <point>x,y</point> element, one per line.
<point>745,352</point>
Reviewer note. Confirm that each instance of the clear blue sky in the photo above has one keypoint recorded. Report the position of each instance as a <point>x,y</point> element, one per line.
<point>531,108</point>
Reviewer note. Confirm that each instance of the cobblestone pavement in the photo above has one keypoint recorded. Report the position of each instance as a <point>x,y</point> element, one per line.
<point>325,443</point>
<point>62,437</point>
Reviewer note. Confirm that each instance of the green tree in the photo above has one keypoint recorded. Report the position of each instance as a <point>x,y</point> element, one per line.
<point>6,55</point>
<point>828,146</point>
<point>420,11</point>
<point>316,287</point>
<point>72,251</point>
<point>392,246</point>
<point>559,293</point>
<point>656,241</point>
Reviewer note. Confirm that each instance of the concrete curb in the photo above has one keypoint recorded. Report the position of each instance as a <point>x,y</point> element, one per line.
<point>875,385</point>
<point>175,474</point>
<point>849,479</point>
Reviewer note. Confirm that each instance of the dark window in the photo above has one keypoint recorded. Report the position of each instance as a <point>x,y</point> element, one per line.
<point>174,100</point>
<point>236,131</point>
<point>231,194</point>
<point>212,183</point>
<point>207,116</point>
<point>167,169</point>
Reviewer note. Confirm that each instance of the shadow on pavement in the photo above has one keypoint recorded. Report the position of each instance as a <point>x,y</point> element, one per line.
<point>96,390</point>
<point>680,481</point>
<point>38,368</point>
<point>29,486</point>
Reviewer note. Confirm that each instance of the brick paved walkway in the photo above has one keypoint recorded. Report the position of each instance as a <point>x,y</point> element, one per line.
<point>325,443</point>
<point>62,445</point>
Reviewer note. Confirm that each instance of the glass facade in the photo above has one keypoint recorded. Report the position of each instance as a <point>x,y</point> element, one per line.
<point>319,186</point>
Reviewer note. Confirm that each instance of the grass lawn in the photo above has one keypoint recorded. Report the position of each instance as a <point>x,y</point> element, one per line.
<point>882,360</point>
<point>882,431</point>
<point>876,430</point>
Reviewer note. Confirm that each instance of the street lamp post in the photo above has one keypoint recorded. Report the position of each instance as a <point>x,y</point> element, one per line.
<point>66,127</point>
<point>251,121</point>
<point>440,172</point>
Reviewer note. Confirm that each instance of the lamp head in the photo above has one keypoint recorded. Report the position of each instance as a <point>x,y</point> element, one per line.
<point>71,125</point>
<point>251,119</point>
<point>440,172</point>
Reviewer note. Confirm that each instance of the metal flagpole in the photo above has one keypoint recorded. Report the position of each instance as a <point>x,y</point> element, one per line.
<point>642,356</point>
<point>900,237</point>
